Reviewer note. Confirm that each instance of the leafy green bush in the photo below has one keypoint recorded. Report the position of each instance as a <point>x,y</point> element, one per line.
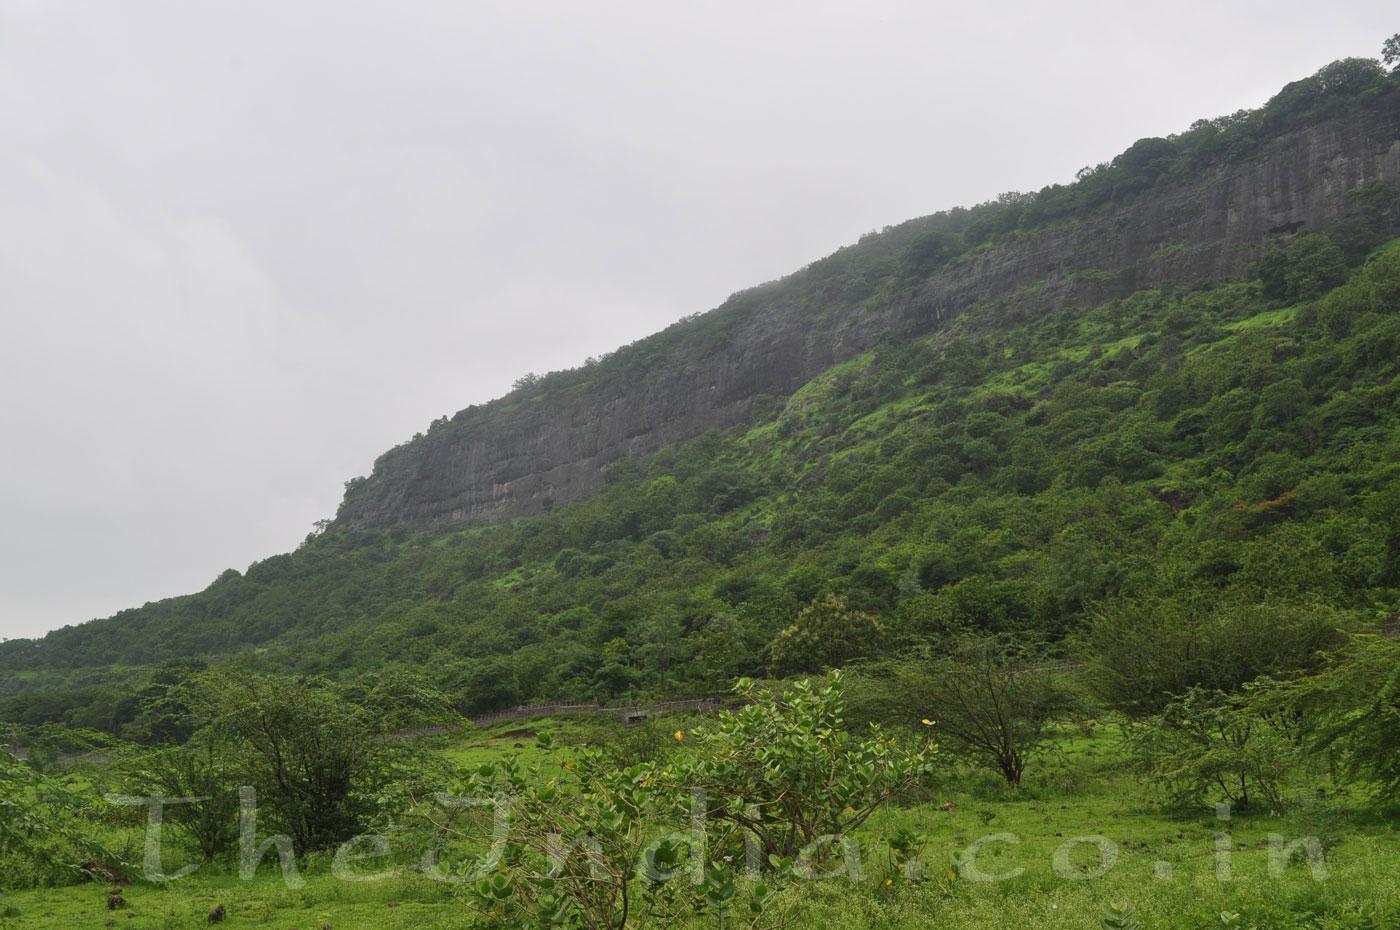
<point>205,772</point>
<point>1307,268</point>
<point>785,769</point>
<point>639,742</point>
<point>1213,748</point>
<point>1374,290</point>
<point>1143,654</point>
<point>46,830</point>
<point>1349,710</point>
<point>323,766</point>
<point>826,634</point>
<point>989,699</point>
<point>580,847</point>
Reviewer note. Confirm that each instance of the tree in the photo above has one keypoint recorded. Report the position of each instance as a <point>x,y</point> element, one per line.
<point>1375,289</point>
<point>825,635</point>
<point>990,700</point>
<point>205,771</point>
<point>1390,51</point>
<point>1349,710</point>
<point>1332,86</point>
<point>928,253</point>
<point>486,685</point>
<point>1371,211</point>
<point>1144,653</point>
<point>401,701</point>
<point>1144,160</point>
<point>1307,268</point>
<point>46,830</point>
<point>1209,747</point>
<point>616,674</point>
<point>319,762</point>
<point>162,718</point>
<point>784,770</point>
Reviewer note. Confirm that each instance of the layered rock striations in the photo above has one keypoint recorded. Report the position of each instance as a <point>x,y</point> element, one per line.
<point>543,447</point>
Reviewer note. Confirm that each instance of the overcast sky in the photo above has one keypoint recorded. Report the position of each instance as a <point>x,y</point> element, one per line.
<point>247,246</point>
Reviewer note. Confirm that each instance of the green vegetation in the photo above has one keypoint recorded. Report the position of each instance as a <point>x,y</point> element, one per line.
<point>1236,481</point>
<point>1349,710</point>
<point>1207,748</point>
<point>994,698</point>
<point>776,777</point>
<point>826,634</point>
<point>1164,858</point>
<point>1005,475</point>
<point>1145,653</point>
<point>45,834</point>
<point>801,778</point>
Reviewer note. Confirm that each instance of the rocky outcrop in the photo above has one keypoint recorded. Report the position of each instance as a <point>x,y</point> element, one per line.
<point>535,450</point>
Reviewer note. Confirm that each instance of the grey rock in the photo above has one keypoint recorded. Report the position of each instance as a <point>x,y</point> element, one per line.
<point>521,456</point>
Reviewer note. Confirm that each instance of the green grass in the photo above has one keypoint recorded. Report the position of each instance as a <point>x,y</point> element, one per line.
<point>1267,318</point>
<point>1166,251</point>
<point>520,738</point>
<point>1165,864</point>
<point>1363,875</point>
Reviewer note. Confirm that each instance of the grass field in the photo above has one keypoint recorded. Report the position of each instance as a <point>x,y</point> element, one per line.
<point>1078,816</point>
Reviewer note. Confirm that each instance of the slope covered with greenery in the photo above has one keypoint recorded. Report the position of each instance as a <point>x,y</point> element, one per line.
<point>1237,444</point>
<point>1164,454</point>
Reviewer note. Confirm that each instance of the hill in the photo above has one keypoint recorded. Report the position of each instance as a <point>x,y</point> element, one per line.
<point>1173,379</point>
<point>1200,206</point>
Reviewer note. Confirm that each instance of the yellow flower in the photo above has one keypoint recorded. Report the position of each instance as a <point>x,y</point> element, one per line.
<point>889,881</point>
<point>680,737</point>
<point>926,722</point>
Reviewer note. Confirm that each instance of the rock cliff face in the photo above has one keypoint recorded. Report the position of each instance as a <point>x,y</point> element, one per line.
<point>535,450</point>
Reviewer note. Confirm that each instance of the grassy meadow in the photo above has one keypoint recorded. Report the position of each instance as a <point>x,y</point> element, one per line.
<point>1162,863</point>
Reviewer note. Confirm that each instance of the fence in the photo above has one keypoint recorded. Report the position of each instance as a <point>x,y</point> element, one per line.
<point>685,705</point>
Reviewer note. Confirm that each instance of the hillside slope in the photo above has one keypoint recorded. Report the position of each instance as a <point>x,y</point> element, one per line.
<point>1096,431</point>
<point>1199,207</point>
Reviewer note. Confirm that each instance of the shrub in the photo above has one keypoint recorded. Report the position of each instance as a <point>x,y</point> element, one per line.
<point>991,699</point>
<point>1375,289</point>
<point>580,848</point>
<point>1307,268</point>
<point>1142,654</point>
<point>577,851</point>
<point>45,829</point>
<point>1349,710</point>
<point>825,635</point>
<point>205,771</point>
<point>785,770</point>
<point>648,740</point>
<point>321,764</point>
<point>1212,748</point>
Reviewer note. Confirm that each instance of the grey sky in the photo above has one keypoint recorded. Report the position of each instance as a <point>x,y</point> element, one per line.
<point>247,246</point>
